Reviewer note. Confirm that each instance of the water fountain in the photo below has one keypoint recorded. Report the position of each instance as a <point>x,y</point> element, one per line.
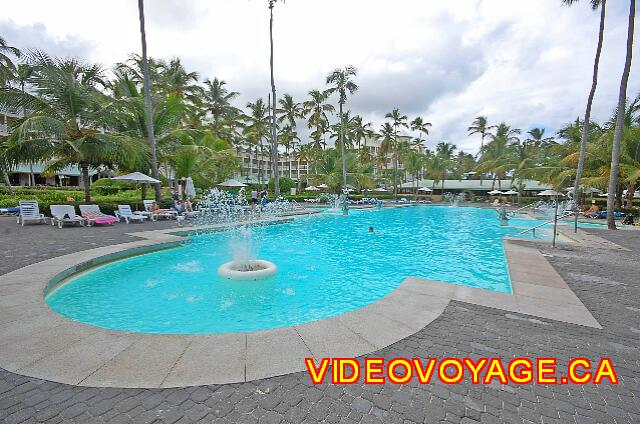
<point>334,201</point>
<point>455,199</point>
<point>232,212</point>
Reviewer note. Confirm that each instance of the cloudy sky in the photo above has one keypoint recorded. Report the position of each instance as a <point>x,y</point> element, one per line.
<point>526,63</point>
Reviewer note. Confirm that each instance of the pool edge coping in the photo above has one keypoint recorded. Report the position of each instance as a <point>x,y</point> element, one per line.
<point>86,355</point>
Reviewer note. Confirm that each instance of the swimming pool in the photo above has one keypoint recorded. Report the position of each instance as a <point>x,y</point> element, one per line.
<point>327,265</point>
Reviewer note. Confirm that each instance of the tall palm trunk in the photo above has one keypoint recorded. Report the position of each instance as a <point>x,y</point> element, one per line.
<point>345,210</point>
<point>86,181</point>
<point>587,114</point>
<point>480,152</point>
<point>274,140</point>
<point>630,192</point>
<point>7,181</point>
<point>147,101</point>
<point>617,137</point>
<point>395,165</point>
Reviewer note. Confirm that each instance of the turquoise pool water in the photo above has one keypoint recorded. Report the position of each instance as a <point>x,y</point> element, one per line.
<point>327,265</point>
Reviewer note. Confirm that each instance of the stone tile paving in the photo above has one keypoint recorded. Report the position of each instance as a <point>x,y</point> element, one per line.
<point>606,281</point>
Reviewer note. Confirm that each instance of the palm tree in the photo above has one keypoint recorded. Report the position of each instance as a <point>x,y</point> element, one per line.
<point>173,79</point>
<point>437,167</point>
<point>148,102</point>
<point>495,155</point>
<point>617,138</point>
<point>274,138</point>
<point>127,115</point>
<point>289,110</point>
<point>446,150</point>
<point>479,126</point>
<point>413,163</point>
<point>328,169</point>
<point>256,130</point>
<point>317,109</point>
<point>342,83</point>
<point>422,127</point>
<point>387,143</point>
<point>587,114</point>
<point>538,139</point>
<point>217,99</point>
<point>7,67</point>
<point>361,131</point>
<point>67,116</point>
<point>204,157</point>
<point>288,137</point>
<point>399,120</point>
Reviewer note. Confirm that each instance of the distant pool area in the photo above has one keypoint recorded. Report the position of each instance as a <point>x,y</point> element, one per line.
<point>328,264</point>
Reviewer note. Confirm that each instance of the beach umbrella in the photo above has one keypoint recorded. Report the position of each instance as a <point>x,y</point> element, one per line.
<point>232,183</point>
<point>136,177</point>
<point>495,192</point>
<point>312,188</point>
<point>550,193</point>
<point>510,193</point>
<point>425,189</point>
<point>189,187</point>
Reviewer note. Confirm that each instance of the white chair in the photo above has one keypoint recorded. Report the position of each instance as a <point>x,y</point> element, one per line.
<point>29,211</point>
<point>125,212</point>
<point>65,214</point>
<point>148,204</point>
<point>94,215</point>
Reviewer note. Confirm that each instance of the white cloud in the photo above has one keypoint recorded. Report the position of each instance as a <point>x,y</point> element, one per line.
<point>527,63</point>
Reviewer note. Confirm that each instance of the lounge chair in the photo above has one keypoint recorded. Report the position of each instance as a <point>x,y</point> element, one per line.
<point>65,214</point>
<point>94,215</point>
<point>12,211</point>
<point>166,214</point>
<point>29,211</point>
<point>125,212</point>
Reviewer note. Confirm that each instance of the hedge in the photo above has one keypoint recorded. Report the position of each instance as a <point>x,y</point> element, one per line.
<point>107,207</point>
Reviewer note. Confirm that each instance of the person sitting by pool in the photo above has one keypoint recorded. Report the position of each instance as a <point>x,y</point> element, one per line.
<point>186,205</point>
<point>155,209</point>
<point>176,206</point>
<point>592,212</point>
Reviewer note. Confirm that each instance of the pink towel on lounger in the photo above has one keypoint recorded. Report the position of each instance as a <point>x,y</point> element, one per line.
<point>100,219</point>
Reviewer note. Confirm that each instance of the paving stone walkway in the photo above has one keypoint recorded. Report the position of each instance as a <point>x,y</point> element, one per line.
<point>607,282</point>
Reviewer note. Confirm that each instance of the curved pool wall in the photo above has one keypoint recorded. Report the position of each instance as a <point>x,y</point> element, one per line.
<point>327,265</point>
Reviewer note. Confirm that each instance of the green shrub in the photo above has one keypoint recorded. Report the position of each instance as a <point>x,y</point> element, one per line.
<point>286,184</point>
<point>107,186</point>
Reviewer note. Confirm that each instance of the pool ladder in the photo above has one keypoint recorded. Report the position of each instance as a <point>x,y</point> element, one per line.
<point>555,223</point>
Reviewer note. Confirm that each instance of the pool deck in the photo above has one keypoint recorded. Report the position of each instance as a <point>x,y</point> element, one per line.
<point>605,278</point>
<point>37,342</point>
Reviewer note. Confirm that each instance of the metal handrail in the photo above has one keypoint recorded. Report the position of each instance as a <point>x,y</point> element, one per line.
<point>566,214</point>
<point>522,208</point>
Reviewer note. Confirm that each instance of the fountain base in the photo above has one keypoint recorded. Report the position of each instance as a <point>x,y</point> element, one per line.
<point>247,270</point>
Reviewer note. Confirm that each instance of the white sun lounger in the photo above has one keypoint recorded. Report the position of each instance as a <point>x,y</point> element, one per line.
<point>65,214</point>
<point>125,212</point>
<point>30,212</point>
<point>148,204</point>
<point>93,215</point>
